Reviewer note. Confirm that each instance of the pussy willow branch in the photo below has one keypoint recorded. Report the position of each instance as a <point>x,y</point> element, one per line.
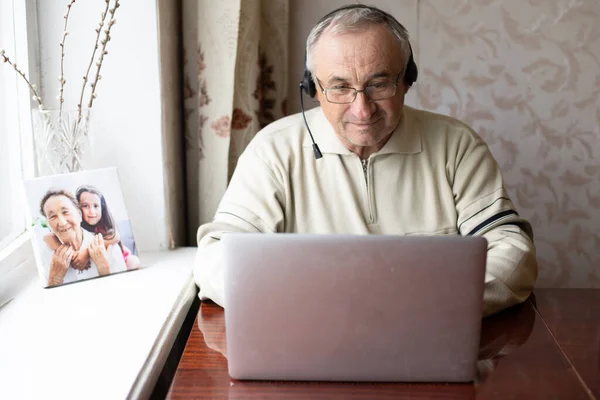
<point>103,51</point>
<point>61,79</point>
<point>87,73</point>
<point>36,96</point>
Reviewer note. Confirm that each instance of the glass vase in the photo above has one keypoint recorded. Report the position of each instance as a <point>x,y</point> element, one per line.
<point>62,141</point>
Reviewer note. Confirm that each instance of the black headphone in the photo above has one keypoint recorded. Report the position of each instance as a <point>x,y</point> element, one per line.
<point>410,75</point>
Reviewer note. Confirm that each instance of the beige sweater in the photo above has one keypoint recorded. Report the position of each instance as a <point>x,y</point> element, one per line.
<point>433,176</point>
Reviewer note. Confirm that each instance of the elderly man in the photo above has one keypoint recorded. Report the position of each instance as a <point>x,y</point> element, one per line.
<point>385,168</point>
<point>64,217</point>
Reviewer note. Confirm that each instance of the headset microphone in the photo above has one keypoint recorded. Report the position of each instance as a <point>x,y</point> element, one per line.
<point>314,145</point>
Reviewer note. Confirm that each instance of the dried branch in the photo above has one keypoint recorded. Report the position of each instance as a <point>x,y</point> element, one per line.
<point>109,13</point>
<point>61,78</point>
<point>87,73</point>
<point>103,51</point>
<point>33,88</point>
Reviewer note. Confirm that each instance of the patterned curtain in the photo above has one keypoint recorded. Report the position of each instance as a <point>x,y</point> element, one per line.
<point>235,82</point>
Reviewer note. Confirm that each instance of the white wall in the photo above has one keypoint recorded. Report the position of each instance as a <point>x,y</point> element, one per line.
<point>127,112</point>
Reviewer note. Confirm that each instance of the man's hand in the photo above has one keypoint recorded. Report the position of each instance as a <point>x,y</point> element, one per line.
<point>61,261</point>
<point>211,321</point>
<point>81,260</point>
<point>98,255</point>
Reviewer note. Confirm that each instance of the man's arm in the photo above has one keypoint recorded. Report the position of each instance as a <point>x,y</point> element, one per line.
<point>253,202</point>
<point>511,268</point>
<point>484,208</point>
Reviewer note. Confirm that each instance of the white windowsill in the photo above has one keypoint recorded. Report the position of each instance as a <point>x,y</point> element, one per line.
<point>105,338</point>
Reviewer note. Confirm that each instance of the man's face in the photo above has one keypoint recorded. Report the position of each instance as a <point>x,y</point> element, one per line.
<point>359,59</point>
<point>64,218</point>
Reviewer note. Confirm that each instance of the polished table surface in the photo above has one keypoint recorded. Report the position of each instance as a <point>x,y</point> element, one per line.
<point>573,317</point>
<point>546,348</point>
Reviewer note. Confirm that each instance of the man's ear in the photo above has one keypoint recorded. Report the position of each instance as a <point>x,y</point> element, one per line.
<point>405,87</point>
<point>319,97</point>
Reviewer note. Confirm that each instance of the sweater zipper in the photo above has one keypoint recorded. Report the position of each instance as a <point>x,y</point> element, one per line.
<point>365,168</point>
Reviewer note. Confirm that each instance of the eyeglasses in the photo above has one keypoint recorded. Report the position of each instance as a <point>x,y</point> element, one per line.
<point>345,95</point>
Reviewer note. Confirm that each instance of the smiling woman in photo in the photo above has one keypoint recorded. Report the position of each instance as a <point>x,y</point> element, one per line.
<point>74,243</point>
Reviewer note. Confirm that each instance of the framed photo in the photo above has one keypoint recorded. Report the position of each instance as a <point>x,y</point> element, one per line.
<point>80,226</point>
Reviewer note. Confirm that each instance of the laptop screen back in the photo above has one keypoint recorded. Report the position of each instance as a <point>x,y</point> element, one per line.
<point>353,308</point>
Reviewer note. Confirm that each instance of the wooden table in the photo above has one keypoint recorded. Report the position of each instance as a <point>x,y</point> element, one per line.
<point>548,347</point>
<point>573,317</point>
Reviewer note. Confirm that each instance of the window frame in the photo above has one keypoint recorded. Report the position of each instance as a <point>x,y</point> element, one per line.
<point>17,263</point>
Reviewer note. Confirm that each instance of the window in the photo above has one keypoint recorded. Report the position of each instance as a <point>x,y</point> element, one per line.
<point>16,155</point>
<point>17,266</point>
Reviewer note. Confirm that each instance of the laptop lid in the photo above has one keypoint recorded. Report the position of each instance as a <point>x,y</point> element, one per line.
<point>353,308</point>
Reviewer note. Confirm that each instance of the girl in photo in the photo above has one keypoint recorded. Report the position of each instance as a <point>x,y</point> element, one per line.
<point>98,219</point>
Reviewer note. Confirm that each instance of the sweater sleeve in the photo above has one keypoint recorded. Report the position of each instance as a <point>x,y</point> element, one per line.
<point>252,203</point>
<point>484,208</point>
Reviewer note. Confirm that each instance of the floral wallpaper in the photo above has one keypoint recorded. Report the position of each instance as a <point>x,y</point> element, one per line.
<point>526,76</point>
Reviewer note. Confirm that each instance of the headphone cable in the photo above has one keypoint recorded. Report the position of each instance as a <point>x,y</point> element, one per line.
<point>315,147</point>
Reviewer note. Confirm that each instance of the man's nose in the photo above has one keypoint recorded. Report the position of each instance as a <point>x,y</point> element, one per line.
<point>362,107</point>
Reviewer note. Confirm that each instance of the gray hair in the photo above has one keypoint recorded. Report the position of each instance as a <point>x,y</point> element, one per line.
<point>352,20</point>
<point>54,192</point>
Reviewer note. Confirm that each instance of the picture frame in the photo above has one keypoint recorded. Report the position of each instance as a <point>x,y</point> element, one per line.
<point>80,226</point>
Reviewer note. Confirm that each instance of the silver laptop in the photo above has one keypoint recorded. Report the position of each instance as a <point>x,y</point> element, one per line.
<point>353,308</point>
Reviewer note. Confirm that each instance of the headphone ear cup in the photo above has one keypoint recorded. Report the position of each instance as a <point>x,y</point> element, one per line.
<point>307,84</point>
<point>411,74</point>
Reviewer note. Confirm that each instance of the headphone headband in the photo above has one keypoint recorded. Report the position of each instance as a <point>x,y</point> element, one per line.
<point>357,6</point>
